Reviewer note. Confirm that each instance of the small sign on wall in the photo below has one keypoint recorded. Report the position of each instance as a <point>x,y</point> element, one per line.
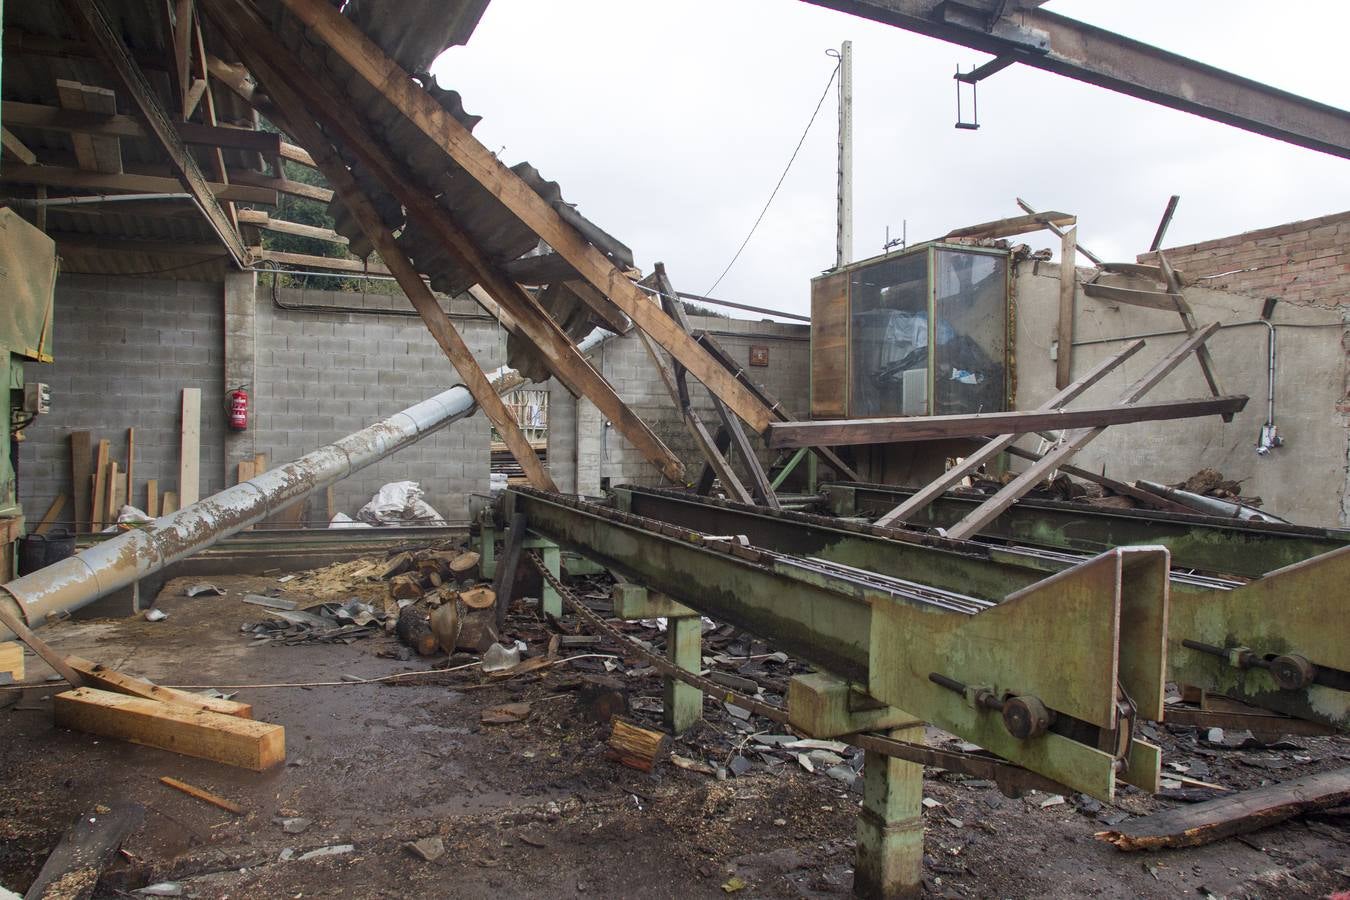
<point>759,356</point>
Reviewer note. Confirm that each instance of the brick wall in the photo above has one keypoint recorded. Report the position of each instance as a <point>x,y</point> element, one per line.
<point>1304,262</point>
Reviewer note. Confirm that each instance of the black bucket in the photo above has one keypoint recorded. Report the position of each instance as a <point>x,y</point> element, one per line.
<point>39,550</point>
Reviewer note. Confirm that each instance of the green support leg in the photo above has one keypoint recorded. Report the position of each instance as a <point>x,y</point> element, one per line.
<point>684,647</point>
<point>552,556</point>
<point>890,825</point>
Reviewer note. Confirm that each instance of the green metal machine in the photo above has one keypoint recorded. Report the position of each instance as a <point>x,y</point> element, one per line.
<point>27,285</point>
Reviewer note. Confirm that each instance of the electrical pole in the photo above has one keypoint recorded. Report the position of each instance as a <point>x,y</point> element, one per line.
<point>843,240</point>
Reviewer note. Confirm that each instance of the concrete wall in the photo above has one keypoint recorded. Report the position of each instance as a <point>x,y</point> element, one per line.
<point>583,450</point>
<point>1306,480</point>
<point>125,348</point>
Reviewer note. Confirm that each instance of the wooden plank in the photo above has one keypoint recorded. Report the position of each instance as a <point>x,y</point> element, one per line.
<point>169,503</point>
<point>1164,222</point>
<point>60,176</point>
<point>1068,287</point>
<point>330,502</point>
<point>189,447</point>
<point>92,21</point>
<point>254,41</point>
<point>949,479</point>
<point>990,509</point>
<point>202,794</point>
<point>95,153</point>
<point>1202,355</point>
<point>245,471</point>
<point>838,432</point>
<point>110,505</point>
<point>52,118</point>
<point>613,317</point>
<point>99,676</point>
<point>281,185</point>
<point>15,623</point>
<point>309,261</point>
<point>80,473</point>
<point>11,660</point>
<point>370,62</point>
<point>182,50</point>
<point>72,869</point>
<point>297,155</point>
<point>17,148</point>
<point>829,346</point>
<point>1014,225</point>
<point>152,498</point>
<point>261,219</point>
<point>49,517</point>
<point>99,500</point>
<point>1132,296</point>
<point>192,732</point>
<point>1059,232</point>
<point>259,463</point>
<point>130,492</point>
<point>1232,814</point>
<point>503,586</point>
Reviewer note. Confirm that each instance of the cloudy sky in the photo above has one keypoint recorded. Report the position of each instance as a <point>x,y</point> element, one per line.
<point>669,123</point>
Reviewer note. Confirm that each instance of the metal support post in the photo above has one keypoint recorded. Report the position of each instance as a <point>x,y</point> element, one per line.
<point>487,544</point>
<point>551,553</point>
<point>683,703</point>
<point>890,825</point>
<point>684,647</point>
<point>843,243</point>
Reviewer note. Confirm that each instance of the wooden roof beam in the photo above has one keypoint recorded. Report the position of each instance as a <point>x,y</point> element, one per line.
<point>1015,225</point>
<point>92,20</point>
<point>17,148</point>
<point>406,95</point>
<point>78,179</point>
<point>261,219</point>
<point>96,154</point>
<point>51,118</point>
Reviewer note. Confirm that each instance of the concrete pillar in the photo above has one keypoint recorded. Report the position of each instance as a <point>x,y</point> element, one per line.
<point>683,703</point>
<point>241,329</point>
<point>890,825</point>
<point>590,447</point>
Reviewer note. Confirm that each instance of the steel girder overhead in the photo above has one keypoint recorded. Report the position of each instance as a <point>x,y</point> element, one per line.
<point>1015,31</point>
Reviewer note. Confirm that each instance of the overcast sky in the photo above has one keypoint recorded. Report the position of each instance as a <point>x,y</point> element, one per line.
<point>669,123</point>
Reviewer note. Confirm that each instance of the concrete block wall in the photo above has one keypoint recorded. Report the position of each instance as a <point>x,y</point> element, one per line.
<point>349,360</point>
<point>1305,262</point>
<point>124,350</point>
<point>580,440</point>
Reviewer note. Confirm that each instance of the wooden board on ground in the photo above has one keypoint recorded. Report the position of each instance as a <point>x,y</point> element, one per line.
<point>72,869</point>
<point>169,726</point>
<point>1239,813</point>
<point>11,660</point>
<point>104,678</point>
<point>131,467</point>
<point>170,503</point>
<point>189,447</point>
<point>152,498</point>
<point>49,517</point>
<point>112,481</point>
<point>80,450</point>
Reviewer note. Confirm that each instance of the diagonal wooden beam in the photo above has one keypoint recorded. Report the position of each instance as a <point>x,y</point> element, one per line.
<point>268,59</point>
<point>1015,225</point>
<point>990,509</point>
<point>17,148</point>
<point>418,293</point>
<point>93,22</point>
<point>1173,282</point>
<point>949,479</point>
<point>96,154</point>
<point>674,307</point>
<point>381,72</point>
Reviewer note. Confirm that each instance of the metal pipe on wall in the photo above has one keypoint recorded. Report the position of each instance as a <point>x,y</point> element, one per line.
<point>117,562</point>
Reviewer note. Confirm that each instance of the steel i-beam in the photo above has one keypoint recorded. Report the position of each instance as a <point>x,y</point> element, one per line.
<point>1286,621</point>
<point>1051,677</point>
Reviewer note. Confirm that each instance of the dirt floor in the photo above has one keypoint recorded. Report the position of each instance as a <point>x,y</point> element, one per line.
<point>534,809</point>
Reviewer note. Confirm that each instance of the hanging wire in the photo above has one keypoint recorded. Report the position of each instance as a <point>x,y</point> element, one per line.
<point>781,178</point>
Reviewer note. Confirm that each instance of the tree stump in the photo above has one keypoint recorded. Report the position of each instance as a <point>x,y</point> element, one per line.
<point>414,630</point>
<point>637,747</point>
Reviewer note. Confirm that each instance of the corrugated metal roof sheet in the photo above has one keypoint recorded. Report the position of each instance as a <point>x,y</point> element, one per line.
<point>496,231</point>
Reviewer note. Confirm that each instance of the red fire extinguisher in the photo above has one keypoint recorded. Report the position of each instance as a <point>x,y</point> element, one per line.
<point>239,408</point>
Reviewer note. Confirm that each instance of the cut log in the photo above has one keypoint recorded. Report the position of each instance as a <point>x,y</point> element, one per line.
<point>100,676</point>
<point>445,624</point>
<point>405,587</point>
<point>637,747</point>
<point>397,565</point>
<point>1204,823</point>
<point>477,629</point>
<point>73,868</point>
<point>168,726</point>
<point>414,629</point>
<point>601,698</point>
<point>481,597</point>
<point>464,562</point>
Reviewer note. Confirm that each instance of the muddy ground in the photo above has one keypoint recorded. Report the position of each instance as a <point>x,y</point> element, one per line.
<point>534,809</point>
